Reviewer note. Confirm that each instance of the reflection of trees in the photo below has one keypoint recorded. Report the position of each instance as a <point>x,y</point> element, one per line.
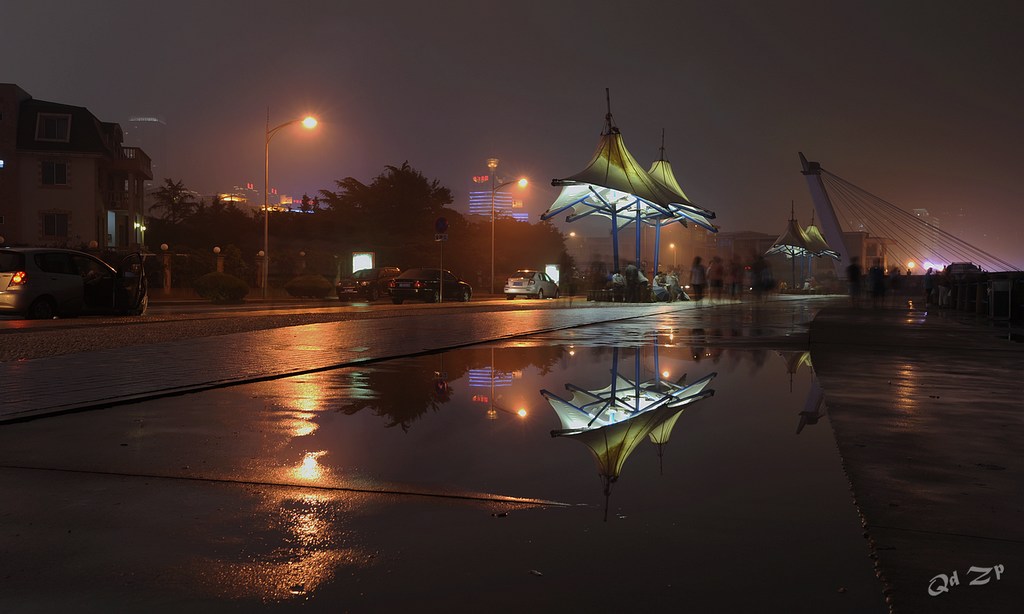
<point>404,390</point>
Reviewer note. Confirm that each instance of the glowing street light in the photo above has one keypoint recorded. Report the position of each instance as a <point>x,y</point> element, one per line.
<point>309,123</point>
<point>672,246</point>
<point>141,227</point>
<point>492,165</point>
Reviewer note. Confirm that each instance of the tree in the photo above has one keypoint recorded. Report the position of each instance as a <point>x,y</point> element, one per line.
<point>175,201</point>
<point>393,215</point>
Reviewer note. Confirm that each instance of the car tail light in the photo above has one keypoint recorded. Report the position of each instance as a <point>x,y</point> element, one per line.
<point>391,284</point>
<point>18,279</point>
<point>417,285</point>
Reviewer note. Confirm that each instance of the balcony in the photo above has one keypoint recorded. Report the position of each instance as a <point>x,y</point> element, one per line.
<point>132,160</point>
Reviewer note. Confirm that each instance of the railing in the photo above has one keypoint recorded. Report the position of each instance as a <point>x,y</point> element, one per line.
<point>134,153</point>
<point>999,296</point>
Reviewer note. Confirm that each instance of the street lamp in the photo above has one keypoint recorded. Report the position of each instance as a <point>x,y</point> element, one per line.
<point>492,164</point>
<point>141,227</point>
<point>672,246</point>
<point>309,123</point>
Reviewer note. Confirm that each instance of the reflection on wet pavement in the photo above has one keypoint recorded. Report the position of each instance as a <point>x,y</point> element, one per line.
<point>716,439</point>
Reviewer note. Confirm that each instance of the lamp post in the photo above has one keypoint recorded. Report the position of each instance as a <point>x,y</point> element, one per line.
<point>309,123</point>
<point>492,165</point>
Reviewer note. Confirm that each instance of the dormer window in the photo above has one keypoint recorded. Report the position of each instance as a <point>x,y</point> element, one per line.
<point>53,127</point>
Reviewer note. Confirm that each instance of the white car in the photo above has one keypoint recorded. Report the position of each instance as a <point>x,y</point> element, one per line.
<point>531,284</point>
<point>42,283</point>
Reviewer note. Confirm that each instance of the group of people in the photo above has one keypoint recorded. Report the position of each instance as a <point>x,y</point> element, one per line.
<point>879,282</point>
<point>937,288</point>
<point>714,281</point>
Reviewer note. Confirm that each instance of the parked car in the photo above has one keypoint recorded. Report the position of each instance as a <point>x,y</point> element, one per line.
<point>529,283</point>
<point>423,284</point>
<point>43,283</point>
<point>370,284</point>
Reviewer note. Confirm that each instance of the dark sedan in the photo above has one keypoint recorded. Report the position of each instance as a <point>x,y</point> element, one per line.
<point>369,284</point>
<point>424,285</point>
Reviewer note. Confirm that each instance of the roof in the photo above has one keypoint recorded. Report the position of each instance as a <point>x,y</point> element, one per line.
<point>87,133</point>
<point>792,242</point>
<point>614,184</point>
<point>816,243</point>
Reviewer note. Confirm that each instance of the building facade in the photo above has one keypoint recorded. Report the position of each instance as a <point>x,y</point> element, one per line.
<point>66,178</point>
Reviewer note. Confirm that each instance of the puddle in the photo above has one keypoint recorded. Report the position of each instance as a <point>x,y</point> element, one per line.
<point>682,465</point>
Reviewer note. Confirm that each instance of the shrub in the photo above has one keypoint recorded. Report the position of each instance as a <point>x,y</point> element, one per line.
<point>221,288</point>
<point>312,286</point>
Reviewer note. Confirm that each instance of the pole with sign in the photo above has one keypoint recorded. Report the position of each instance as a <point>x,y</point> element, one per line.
<point>440,235</point>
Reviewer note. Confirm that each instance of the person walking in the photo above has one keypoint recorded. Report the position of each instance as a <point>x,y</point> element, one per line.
<point>876,283</point>
<point>929,285</point>
<point>894,285</point>
<point>853,279</point>
<point>716,279</point>
<point>698,278</point>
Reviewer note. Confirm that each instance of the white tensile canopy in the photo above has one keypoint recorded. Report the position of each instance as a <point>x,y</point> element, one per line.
<point>614,185</point>
<point>792,242</point>
<point>816,243</point>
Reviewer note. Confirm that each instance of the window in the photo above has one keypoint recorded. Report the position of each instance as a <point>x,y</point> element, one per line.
<point>55,173</point>
<point>55,225</point>
<point>89,268</point>
<point>52,127</point>
<point>55,262</point>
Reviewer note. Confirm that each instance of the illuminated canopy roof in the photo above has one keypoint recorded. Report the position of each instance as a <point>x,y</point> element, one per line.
<point>792,242</point>
<point>614,185</point>
<point>816,243</point>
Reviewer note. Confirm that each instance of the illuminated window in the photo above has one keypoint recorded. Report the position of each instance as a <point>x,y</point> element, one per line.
<point>54,173</point>
<point>52,127</point>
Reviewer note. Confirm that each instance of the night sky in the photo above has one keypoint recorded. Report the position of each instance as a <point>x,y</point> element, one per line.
<point>920,103</point>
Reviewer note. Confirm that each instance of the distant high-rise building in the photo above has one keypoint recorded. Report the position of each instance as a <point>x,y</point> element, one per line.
<point>504,205</point>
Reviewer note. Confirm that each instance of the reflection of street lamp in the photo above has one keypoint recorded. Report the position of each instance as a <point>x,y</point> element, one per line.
<point>309,123</point>
<point>492,164</point>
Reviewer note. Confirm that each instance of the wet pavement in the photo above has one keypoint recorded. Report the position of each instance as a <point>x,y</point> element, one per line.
<point>374,473</point>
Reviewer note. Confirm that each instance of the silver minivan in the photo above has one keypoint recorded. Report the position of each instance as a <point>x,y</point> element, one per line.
<point>43,283</point>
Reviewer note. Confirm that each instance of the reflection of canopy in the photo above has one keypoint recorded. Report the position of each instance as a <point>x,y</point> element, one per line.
<point>620,401</point>
<point>614,441</point>
<point>661,433</point>
<point>795,360</point>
